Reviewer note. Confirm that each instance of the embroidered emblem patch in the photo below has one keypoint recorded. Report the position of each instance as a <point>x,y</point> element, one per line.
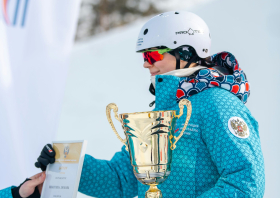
<point>238,127</point>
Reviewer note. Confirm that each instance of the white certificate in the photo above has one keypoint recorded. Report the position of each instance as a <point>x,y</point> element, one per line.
<point>63,176</point>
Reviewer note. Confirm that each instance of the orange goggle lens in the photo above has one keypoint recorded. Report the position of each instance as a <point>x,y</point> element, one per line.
<point>152,57</point>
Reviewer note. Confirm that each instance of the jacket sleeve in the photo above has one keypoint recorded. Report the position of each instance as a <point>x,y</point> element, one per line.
<point>6,193</point>
<point>239,161</point>
<point>114,178</point>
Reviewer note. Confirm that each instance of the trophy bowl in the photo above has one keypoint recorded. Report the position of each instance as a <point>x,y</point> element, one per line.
<point>150,141</point>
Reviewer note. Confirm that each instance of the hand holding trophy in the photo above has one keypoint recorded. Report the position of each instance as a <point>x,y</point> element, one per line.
<point>150,141</point>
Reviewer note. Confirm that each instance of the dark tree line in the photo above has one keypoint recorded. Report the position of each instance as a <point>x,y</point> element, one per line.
<point>97,16</point>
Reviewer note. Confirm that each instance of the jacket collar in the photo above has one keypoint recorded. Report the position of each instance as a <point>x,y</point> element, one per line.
<point>166,88</point>
<point>179,73</point>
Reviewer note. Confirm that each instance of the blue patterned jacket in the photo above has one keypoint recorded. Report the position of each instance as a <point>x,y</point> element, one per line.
<point>208,162</point>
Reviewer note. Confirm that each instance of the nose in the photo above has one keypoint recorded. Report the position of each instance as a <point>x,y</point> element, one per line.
<point>147,64</point>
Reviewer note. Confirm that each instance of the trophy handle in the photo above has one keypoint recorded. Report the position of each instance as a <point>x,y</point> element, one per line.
<point>189,112</point>
<point>108,113</point>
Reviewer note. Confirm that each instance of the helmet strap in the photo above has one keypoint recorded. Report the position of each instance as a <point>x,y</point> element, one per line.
<point>192,60</point>
<point>177,56</point>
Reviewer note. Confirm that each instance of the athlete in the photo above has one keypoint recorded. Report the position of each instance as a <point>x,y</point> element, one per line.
<point>219,154</point>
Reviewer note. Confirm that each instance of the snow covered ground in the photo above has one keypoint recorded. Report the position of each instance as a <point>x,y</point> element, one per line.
<point>106,69</point>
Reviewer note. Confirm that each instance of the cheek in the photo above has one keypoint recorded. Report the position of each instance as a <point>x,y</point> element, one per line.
<point>168,63</point>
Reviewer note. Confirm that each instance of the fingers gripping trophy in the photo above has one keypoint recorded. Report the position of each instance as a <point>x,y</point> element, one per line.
<point>150,141</point>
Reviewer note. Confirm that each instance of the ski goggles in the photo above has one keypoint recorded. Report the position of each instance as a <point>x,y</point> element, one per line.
<point>154,55</point>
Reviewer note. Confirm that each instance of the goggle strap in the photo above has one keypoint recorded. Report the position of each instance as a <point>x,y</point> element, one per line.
<point>160,51</point>
<point>177,56</point>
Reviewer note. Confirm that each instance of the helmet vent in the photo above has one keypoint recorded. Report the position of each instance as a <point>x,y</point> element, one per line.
<point>176,12</point>
<point>145,31</point>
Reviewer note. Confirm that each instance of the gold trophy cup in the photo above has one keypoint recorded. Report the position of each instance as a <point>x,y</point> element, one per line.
<point>150,140</point>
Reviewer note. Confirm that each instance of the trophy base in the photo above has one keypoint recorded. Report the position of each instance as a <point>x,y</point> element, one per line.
<point>153,192</point>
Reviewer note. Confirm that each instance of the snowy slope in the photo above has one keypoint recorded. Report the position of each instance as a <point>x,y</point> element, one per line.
<point>105,69</point>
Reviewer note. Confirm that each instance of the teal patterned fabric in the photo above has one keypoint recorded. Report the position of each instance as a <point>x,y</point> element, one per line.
<point>102,178</point>
<point>6,193</point>
<point>208,162</point>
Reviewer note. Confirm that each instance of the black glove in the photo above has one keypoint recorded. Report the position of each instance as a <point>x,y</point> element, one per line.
<point>15,192</point>
<point>46,157</point>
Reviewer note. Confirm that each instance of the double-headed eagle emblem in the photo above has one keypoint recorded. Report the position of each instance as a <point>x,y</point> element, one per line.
<point>240,127</point>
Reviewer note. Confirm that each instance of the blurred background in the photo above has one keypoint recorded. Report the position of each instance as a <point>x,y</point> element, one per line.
<point>104,68</point>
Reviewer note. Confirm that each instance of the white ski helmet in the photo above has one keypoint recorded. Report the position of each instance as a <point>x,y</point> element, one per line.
<point>175,29</point>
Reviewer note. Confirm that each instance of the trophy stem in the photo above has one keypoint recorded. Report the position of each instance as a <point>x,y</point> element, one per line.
<point>153,192</point>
